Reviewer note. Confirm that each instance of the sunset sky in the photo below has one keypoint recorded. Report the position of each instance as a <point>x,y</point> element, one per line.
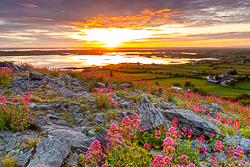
<point>124,23</point>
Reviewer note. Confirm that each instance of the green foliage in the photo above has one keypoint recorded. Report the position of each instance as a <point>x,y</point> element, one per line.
<point>123,93</point>
<point>9,161</point>
<point>72,74</point>
<point>232,83</point>
<point>187,84</point>
<point>245,132</point>
<point>177,84</point>
<point>54,73</point>
<point>8,92</point>
<point>6,76</point>
<point>149,137</point>
<point>128,156</point>
<point>15,118</point>
<point>202,90</point>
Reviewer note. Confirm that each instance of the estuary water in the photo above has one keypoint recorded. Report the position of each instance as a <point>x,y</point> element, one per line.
<point>80,61</point>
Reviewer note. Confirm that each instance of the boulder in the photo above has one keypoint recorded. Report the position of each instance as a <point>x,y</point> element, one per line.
<point>51,152</point>
<point>66,92</point>
<point>192,121</point>
<point>35,76</point>
<point>98,84</point>
<point>25,158</point>
<point>72,160</point>
<point>100,136</point>
<point>149,116</point>
<point>245,145</point>
<point>11,144</point>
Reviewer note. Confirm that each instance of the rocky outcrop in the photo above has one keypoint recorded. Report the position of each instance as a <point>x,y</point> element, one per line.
<point>149,116</point>
<point>100,136</point>
<point>51,152</point>
<point>192,121</point>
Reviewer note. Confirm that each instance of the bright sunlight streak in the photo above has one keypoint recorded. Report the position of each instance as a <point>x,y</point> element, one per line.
<point>110,37</point>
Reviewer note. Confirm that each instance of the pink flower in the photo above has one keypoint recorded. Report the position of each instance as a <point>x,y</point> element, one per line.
<point>203,148</point>
<point>213,159</point>
<point>168,160</point>
<point>184,159</point>
<point>158,162</point>
<point>95,152</point>
<point>146,146</point>
<point>201,138</point>
<point>191,165</point>
<point>135,116</point>
<point>184,129</point>
<point>27,95</point>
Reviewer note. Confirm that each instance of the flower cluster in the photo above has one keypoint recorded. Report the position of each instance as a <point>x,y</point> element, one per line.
<point>95,152</point>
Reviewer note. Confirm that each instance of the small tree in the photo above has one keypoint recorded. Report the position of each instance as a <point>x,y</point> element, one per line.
<point>232,83</point>
<point>177,84</point>
<point>187,84</point>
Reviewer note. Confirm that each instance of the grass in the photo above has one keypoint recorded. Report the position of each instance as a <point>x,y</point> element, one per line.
<point>9,161</point>
<point>212,89</point>
<point>244,84</point>
<point>32,142</point>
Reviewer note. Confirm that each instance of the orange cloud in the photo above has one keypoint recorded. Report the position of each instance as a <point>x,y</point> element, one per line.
<point>146,18</point>
<point>28,5</point>
<point>37,18</point>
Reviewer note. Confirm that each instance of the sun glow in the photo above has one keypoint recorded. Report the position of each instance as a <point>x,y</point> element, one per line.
<point>110,37</point>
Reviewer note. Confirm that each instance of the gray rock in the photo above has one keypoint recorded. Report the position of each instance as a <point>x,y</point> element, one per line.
<point>91,132</point>
<point>50,116</point>
<point>100,136</point>
<point>14,153</point>
<point>6,134</point>
<point>11,144</point>
<point>35,76</point>
<point>245,145</point>
<point>213,108</point>
<point>124,85</point>
<point>51,152</point>
<point>98,84</point>
<point>72,160</point>
<point>192,121</point>
<point>75,138</point>
<point>32,105</point>
<point>74,109</point>
<point>66,92</point>
<point>57,104</point>
<point>169,105</point>
<point>149,115</point>
<point>25,158</point>
<point>44,107</point>
<point>99,118</point>
<point>60,98</point>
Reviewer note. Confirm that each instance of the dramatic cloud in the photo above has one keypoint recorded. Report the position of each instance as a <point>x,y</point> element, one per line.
<point>31,22</point>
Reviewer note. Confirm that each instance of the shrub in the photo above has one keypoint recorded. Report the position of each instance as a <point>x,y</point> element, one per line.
<point>232,83</point>
<point>54,73</point>
<point>73,74</point>
<point>6,75</point>
<point>177,84</point>
<point>9,161</point>
<point>15,118</point>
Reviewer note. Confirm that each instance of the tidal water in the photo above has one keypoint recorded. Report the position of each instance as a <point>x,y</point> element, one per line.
<point>79,61</point>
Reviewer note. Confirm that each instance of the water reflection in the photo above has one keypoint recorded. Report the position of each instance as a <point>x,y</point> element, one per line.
<point>63,61</point>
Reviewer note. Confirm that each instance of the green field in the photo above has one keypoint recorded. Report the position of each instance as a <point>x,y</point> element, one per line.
<point>212,89</point>
<point>245,84</point>
<point>159,73</point>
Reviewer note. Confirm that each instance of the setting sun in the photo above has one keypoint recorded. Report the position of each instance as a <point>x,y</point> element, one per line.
<point>110,37</point>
